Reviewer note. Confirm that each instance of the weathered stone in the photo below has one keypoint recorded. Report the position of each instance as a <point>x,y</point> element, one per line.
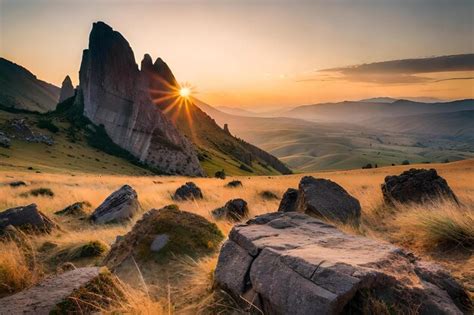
<point>234,210</point>
<point>67,90</point>
<point>116,94</point>
<point>20,129</point>
<point>234,183</point>
<point>159,242</point>
<point>288,202</point>
<point>76,209</point>
<point>17,183</point>
<point>43,298</point>
<point>291,263</point>
<point>4,140</point>
<point>417,186</point>
<point>120,206</point>
<point>26,217</point>
<point>324,198</point>
<point>188,191</point>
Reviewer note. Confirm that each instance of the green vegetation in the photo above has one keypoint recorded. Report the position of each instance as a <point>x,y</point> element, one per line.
<point>90,249</point>
<point>44,192</point>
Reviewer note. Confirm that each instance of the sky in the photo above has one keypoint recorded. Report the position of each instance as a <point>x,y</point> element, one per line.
<point>262,54</point>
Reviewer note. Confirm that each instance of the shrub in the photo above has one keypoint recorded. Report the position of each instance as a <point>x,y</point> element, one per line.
<point>368,166</point>
<point>48,125</point>
<point>245,168</point>
<point>89,249</point>
<point>220,174</point>
<point>45,192</point>
<point>268,195</point>
<point>406,162</point>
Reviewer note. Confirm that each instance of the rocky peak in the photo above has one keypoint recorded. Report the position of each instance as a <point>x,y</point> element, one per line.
<point>67,89</point>
<point>147,63</point>
<point>116,95</point>
<point>162,69</point>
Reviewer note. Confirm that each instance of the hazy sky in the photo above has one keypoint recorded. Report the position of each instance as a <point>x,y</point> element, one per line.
<point>256,54</point>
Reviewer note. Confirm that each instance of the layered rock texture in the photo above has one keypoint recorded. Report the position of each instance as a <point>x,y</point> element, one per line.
<point>120,206</point>
<point>67,90</point>
<point>115,94</point>
<point>22,90</point>
<point>26,218</point>
<point>416,186</point>
<point>291,263</point>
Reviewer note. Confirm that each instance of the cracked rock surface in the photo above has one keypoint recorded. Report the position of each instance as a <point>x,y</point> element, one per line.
<point>291,263</point>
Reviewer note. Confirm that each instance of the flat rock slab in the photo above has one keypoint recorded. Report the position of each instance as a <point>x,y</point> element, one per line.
<point>43,298</point>
<point>291,263</point>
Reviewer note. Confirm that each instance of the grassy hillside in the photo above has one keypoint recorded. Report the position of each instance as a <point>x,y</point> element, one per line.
<point>309,146</point>
<point>188,289</point>
<point>67,155</point>
<point>20,89</point>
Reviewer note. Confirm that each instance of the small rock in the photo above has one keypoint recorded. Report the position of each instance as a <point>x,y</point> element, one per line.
<point>417,186</point>
<point>234,183</point>
<point>188,191</point>
<point>4,140</point>
<point>234,210</point>
<point>324,198</point>
<point>17,183</point>
<point>288,202</point>
<point>26,217</point>
<point>76,209</point>
<point>120,206</point>
<point>159,242</point>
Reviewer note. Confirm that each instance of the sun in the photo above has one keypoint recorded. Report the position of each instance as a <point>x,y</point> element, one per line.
<point>185,92</point>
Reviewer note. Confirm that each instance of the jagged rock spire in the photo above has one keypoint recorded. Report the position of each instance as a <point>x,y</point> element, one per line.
<point>67,89</point>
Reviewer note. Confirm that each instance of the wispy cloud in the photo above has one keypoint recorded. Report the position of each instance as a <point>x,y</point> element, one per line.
<point>404,71</point>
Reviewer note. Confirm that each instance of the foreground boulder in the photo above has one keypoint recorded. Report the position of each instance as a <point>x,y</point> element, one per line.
<point>233,210</point>
<point>416,186</point>
<point>189,191</point>
<point>321,198</point>
<point>291,263</point>
<point>162,233</point>
<point>120,206</point>
<point>78,291</point>
<point>26,218</point>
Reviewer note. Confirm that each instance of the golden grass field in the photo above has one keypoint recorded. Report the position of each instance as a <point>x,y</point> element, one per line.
<point>442,231</point>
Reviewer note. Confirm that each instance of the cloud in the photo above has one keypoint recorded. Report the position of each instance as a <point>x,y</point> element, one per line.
<point>404,71</point>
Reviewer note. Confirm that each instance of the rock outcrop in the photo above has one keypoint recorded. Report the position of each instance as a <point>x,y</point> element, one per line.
<point>120,206</point>
<point>26,218</point>
<point>233,210</point>
<point>21,130</point>
<point>291,263</point>
<point>288,202</point>
<point>115,94</point>
<point>188,191</point>
<point>417,186</point>
<point>76,209</point>
<point>67,89</point>
<point>321,198</point>
<point>163,233</point>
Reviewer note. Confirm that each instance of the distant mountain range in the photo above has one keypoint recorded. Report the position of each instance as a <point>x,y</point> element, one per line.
<point>22,90</point>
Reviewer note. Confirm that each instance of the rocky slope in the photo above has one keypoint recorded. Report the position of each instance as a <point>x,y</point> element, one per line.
<point>114,93</point>
<point>22,90</point>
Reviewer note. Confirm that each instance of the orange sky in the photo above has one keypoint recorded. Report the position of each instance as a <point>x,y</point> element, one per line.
<point>256,54</point>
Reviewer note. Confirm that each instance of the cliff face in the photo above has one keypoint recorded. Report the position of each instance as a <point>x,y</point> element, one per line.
<point>116,95</point>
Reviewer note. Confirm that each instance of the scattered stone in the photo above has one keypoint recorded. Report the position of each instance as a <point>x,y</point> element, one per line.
<point>162,233</point>
<point>76,209</point>
<point>188,191</point>
<point>87,290</point>
<point>159,242</point>
<point>234,184</point>
<point>4,140</point>
<point>291,263</point>
<point>19,129</point>
<point>326,199</point>
<point>26,218</point>
<point>268,195</point>
<point>17,184</point>
<point>288,202</point>
<point>417,186</point>
<point>234,210</point>
<point>220,174</point>
<point>120,206</point>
